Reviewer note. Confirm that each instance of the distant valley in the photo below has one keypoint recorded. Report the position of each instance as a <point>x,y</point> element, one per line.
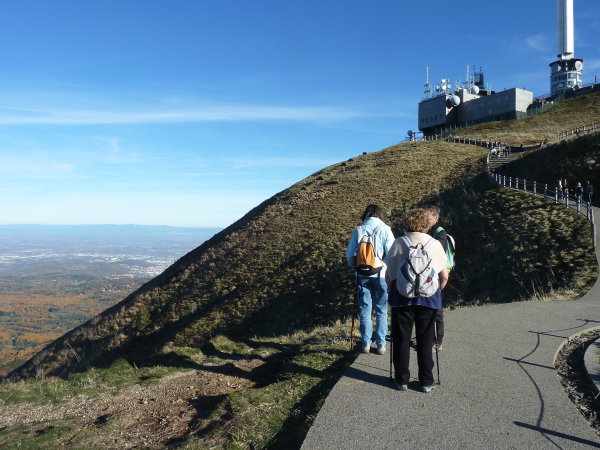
<point>53,278</point>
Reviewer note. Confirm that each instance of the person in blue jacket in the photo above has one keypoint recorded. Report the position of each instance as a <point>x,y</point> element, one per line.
<point>372,290</point>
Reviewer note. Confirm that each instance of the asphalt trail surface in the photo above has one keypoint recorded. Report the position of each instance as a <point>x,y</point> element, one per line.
<point>499,388</point>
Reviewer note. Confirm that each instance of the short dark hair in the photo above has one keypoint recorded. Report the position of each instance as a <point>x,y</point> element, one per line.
<point>372,211</point>
<point>433,210</point>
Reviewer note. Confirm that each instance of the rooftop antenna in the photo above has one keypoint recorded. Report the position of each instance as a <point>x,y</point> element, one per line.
<point>427,85</point>
<point>468,79</point>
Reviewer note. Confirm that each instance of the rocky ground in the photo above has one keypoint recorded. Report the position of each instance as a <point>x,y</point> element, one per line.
<point>573,376</point>
<point>156,415</point>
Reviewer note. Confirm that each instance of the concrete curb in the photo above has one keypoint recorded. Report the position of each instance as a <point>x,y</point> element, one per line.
<point>591,358</point>
<point>592,362</point>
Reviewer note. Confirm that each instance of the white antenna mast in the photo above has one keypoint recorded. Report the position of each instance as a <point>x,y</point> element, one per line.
<point>427,85</point>
<point>468,80</point>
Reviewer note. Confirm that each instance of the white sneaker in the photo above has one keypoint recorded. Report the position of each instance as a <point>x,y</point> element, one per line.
<point>381,349</point>
<point>366,348</point>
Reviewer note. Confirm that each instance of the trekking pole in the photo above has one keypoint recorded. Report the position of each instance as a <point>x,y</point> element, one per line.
<point>353,315</point>
<point>391,353</point>
<point>437,359</point>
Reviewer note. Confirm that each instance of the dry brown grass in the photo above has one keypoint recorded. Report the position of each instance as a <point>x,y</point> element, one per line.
<point>531,130</point>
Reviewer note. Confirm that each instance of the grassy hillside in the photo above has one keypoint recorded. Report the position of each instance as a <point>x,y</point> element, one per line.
<point>531,130</point>
<point>577,160</point>
<point>263,307</point>
<point>280,268</point>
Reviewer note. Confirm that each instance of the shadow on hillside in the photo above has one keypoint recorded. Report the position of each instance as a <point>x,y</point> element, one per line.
<point>505,252</point>
<point>219,412</point>
<point>577,160</point>
<point>510,246</point>
<point>271,364</point>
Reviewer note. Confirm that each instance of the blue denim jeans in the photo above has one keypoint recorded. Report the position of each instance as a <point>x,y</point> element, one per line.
<point>372,295</point>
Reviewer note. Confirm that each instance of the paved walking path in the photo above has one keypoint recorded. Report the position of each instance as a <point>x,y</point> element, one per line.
<point>499,388</point>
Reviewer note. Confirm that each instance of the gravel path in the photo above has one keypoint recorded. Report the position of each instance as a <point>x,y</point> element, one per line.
<point>499,388</point>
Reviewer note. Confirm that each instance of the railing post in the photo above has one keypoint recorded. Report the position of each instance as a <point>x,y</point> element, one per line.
<point>545,190</point>
<point>509,182</point>
<point>567,199</point>
<point>556,195</point>
<point>578,205</point>
<point>535,188</point>
<point>504,180</point>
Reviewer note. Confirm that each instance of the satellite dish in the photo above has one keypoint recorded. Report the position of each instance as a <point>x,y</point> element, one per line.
<point>453,101</point>
<point>448,86</point>
<point>410,133</point>
<point>578,65</point>
<point>475,90</point>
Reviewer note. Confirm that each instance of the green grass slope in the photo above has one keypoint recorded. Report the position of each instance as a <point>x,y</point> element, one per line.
<point>282,268</point>
<point>577,160</point>
<point>564,116</point>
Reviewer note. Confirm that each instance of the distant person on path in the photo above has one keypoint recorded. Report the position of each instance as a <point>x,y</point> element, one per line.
<point>419,310</point>
<point>559,189</point>
<point>371,288</point>
<point>438,232</point>
<point>579,192</point>
<point>589,189</point>
<point>565,188</point>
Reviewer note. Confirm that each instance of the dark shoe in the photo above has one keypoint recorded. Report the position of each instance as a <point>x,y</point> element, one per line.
<point>400,387</point>
<point>380,350</point>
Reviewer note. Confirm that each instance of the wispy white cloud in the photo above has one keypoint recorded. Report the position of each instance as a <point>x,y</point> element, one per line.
<point>158,114</point>
<point>37,167</point>
<point>238,163</point>
<point>538,42</point>
<point>115,154</point>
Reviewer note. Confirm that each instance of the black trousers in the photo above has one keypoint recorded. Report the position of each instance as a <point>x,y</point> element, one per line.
<point>439,323</point>
<point>403,319</point>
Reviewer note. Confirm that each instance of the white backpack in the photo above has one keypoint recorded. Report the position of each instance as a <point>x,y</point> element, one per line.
<point>417,278</point>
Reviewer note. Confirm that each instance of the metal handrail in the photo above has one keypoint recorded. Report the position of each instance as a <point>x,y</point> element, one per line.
<point>575,203</point>
<point>590,128</point>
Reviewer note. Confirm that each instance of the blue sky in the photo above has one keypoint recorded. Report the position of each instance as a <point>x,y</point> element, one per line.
<point>192,112</point>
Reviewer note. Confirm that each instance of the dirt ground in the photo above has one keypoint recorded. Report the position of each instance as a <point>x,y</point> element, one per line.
<point>156,415</point>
